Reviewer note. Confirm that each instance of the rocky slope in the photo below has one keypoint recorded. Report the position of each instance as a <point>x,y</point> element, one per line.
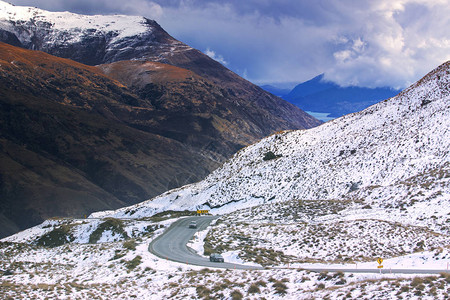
<point>67,148</point>
<point>392,156</point>
<point>189,108</point>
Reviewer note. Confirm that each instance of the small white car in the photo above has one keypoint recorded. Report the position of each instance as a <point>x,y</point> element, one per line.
<point>216,257</point>
<point>193,224</point>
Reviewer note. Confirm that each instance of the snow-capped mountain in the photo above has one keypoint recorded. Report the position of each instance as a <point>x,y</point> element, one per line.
<point>88,39</point>
<point>95,40</point>
<point>394,154</point>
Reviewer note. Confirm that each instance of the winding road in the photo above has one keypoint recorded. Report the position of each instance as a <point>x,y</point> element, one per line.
<point>171,245</point>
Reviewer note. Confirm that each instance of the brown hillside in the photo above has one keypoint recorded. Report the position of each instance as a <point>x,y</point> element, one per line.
<point>64,149</point>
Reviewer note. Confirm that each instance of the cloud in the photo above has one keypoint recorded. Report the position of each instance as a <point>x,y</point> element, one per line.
<point>395,43</point>
<point>365,43</point>
<point>215,56</point>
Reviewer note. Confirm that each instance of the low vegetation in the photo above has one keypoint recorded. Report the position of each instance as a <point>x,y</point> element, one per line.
<point>313,231</point>
<point>115,226</point>
<point>57,237</point>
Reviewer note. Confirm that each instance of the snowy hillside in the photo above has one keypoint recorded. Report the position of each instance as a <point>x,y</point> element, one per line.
<point>337,196</point>
<point>393,156</point>
<point>66,34</point>
<point>70,25</point>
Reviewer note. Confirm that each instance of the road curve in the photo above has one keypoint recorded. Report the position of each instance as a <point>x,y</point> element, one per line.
<point>171,244</point>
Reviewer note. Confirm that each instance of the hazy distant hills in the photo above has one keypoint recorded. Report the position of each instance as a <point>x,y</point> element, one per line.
<point>78,138</point>
<point>280,92</point>
<point>318,95</point>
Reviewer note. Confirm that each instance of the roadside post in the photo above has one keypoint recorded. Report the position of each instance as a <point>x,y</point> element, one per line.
<point>380,261</point>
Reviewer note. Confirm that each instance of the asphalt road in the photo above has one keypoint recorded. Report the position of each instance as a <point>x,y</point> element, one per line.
<point>383,271</point>
<point>171,245</point>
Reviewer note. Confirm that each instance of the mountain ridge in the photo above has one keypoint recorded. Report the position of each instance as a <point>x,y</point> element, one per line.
<point>73,36</point>
<point>66,149</point>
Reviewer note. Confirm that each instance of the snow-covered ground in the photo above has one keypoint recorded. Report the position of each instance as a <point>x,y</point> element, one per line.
<point>299,233</point>
<point>72,26</point>
<point>393,155</point>
<point>124,269</point>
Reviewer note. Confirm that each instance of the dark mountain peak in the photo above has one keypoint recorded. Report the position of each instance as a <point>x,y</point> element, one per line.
<point>319,95</point>
<point>312,86</point>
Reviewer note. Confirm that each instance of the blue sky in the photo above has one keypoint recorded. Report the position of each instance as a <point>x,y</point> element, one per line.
<point>354,42</point>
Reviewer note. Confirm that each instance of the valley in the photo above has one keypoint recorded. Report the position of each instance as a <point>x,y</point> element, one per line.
<point>296,211</point>
<point>101,112</point>
<point>133,165</point>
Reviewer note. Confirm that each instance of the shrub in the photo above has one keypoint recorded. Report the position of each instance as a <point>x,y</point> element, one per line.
<point>132,264</point>
<point>270,155</point>
<point>342,281</point>
<point>420,287</point>
<point>203,291</point>
<point>254,289</point>
<point>324,275</point>
<point>446,277</point>
<point>404,289</point>
<point>130,244</point>
<point>416,281</point>
<point>57,237</point>
<point>118,254</point>
<point>261,283</point>
<point>114,225</point>
<point>280,288</point>
<point>236,295</point>
<point>305,278</point>
<point>339,274</point>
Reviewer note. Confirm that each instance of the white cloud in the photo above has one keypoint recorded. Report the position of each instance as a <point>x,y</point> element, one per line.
<point>215,56</point>
<point>368,43</point>
<point>403,40</point>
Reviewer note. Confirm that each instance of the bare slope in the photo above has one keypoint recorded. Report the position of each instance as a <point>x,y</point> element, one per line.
<point>66,149</point>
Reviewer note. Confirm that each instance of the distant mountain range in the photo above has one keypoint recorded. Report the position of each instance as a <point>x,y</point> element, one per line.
<point>280,92</point>
<point>320,96</point>
<point>153,115</point>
